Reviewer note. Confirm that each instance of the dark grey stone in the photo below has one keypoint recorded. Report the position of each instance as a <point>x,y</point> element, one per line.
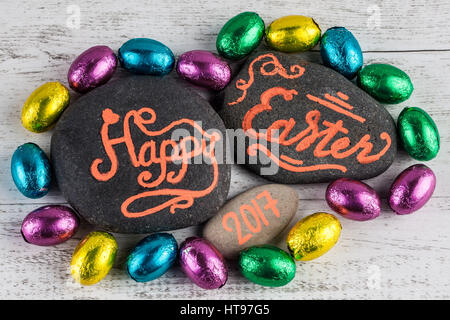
<point>300,86</point>
<point>77,142</point>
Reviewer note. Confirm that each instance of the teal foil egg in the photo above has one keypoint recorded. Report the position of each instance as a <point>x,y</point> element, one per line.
<point>146,56</point>
<point>341,51</point>
<point>30,170</point>
<point>152,257</point>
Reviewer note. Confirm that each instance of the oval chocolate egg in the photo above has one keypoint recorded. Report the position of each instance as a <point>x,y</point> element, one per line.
<point>313,236</point>
<point>267,266</point>
<point>240,35</point>
<point>92,68</point>
<point>203,263</point>
<point>31,171</point>
<point>418,133</point>
<point>385,83</point>
<point>146,56</point>
<point>152,257</point>
<point>93,258</point>
<point>293,33</point>
<point>204,68</point>
<point>412,189</point>
<point>44,106</point>
<point>353,199</point>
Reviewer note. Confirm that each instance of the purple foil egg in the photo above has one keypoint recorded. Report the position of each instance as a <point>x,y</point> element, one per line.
<point>353,199</point>
<point>92,68</point>
<point>49,225</point>
<point>203,263</point>
<point>412,189</point>
<point>204,68</point>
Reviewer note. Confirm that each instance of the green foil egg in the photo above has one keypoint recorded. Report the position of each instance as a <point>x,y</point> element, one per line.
<point>267,265</point>
<point>418,133</point>
<point>240,35</point>
<point>385,83</point>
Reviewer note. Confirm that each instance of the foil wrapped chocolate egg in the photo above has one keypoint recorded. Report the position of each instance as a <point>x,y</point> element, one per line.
<point>152,257</point>
<point>204,68</point>
<point>240,35</point>
<point>92,68</point>
<point>50,225</point>
<point>313,236</point>
<point>385,83</point>
<point>267,265</point>
<point>412,189</point>
<point>418,133</point>
<point>341,51</point>
<point>146,56</point>
<point>93,257</point>
<point>44,106</point>
<point>203,263</point>
<point>31,171</point>
<point>353,199</point>
<point>293,33</point>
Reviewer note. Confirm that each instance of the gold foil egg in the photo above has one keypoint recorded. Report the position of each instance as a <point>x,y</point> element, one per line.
<point>313,236</point>
<point>44,106</point>
<point>93,257</point>
<point>293,33</point>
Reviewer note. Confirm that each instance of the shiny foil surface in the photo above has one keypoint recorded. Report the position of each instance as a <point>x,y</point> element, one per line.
<point>418,133</point>
<point>385,83</point>
<point>44,106</point>
<point>92,68</point>
<point>341,51</point>
<point>313,236</point>
<point>412,189</point>
<point>146,56</point>
<point>353,199</point>
<point>240,35</point>
<point>203,263</point>
<point>152,257</point>
<point>204,68</point>
<point>31,171</point>
<point>267,265</point>
<point>49,225</point>
<point>93,258</point>
<point>293,33</point>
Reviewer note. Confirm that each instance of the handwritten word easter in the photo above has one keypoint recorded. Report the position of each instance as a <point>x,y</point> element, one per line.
<point>312,134</point>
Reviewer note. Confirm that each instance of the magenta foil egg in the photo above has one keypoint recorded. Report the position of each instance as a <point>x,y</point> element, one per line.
<point>92,68</point>
<point>412,189</point>
<point>204,68</point>
<point>203,263</point>
<point>49,225</point>
<point>353,199</point>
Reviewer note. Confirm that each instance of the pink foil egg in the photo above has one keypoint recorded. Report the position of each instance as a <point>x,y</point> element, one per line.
<point>92,68</point>
<point>49,225</point>
<point>412,189</point>
<point>204,68</point>
<point>203,263</point>
<point>353,199</point>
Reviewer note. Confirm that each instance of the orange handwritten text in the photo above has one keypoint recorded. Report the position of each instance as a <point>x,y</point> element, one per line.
<point>256,212</point>
<point>168,151</point>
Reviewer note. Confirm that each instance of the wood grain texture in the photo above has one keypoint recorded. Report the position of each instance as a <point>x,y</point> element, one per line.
<point>392,257</point>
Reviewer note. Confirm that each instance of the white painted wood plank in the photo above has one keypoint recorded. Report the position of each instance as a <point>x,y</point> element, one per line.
<point>390,257</point>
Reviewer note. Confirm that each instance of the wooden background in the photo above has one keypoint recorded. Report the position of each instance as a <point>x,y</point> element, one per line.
<point>392,257</point>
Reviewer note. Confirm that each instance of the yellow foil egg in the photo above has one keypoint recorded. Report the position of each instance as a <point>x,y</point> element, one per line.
<point>293,33</point>
<point>93,257</point>
<point>44,106</point>
<point>313,235</point>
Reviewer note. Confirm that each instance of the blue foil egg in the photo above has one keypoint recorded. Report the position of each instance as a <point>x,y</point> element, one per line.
<point>152,257</point>
<point>341,51</point>
<point>146,56</point>
<point>30,170</point>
